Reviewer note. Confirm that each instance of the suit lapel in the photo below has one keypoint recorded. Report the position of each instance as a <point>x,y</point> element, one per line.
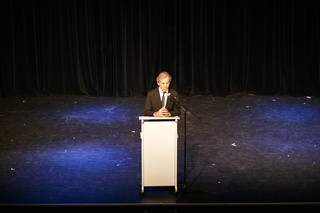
<point>158,99</point>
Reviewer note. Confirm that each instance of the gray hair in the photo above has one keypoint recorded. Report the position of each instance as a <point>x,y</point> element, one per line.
<point>163,75</point>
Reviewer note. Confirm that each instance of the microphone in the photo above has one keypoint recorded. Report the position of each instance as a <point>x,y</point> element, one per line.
<point>172,97</point>
<point>175,100</point>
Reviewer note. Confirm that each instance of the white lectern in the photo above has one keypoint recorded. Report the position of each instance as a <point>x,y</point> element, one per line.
<point>159,151</point>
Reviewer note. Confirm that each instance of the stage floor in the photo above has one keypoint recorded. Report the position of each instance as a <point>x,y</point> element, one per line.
<point>241,149</point>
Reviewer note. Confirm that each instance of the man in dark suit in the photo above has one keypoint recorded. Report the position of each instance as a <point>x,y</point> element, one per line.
<point>162,101</point>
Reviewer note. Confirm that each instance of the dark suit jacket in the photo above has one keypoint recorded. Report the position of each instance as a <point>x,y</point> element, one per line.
<point>153,103</point>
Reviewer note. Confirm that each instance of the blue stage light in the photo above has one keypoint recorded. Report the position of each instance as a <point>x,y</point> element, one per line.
<point>292,113</point>
<point>95,114</point>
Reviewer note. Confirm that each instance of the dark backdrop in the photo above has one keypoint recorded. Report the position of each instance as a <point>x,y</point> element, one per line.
<point>117,48</point>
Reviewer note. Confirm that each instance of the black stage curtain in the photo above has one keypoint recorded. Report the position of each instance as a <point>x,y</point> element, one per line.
<point>117,48</point>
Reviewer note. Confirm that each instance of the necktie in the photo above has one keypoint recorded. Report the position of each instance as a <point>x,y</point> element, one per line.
<point>163,99</point>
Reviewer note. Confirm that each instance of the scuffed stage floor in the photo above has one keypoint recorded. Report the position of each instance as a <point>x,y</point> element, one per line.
<point>242,148</point>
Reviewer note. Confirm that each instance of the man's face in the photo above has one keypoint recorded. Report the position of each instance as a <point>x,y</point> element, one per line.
<point>164,84</point>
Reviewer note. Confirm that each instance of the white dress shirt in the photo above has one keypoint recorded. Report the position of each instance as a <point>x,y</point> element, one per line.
<point>165,96</point>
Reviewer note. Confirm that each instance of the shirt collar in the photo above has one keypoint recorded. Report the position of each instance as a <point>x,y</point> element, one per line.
<point>161,92</point>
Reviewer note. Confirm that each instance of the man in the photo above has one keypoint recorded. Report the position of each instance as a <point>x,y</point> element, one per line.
<point>162,102</point>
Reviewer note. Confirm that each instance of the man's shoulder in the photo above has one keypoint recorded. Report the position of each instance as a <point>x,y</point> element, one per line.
<point>153,91</point>
<point>173,92</point>
<point>156,90</point>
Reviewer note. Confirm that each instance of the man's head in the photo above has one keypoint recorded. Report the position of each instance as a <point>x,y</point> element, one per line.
<point>163,81</point>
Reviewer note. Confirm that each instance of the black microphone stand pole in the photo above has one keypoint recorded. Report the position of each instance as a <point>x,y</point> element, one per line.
<point>185,110</point>
<point>185,147</point>
<point>180,106</point>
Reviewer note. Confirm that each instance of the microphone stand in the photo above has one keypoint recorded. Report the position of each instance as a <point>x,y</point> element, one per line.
<point>185,110</point>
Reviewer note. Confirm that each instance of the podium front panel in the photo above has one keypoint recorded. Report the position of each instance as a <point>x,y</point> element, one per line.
<point>159,152</point>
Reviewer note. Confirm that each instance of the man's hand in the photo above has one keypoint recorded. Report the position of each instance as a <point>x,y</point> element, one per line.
<point>163,112</point>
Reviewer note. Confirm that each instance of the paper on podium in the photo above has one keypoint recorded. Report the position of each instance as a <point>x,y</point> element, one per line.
<point>158,118</point>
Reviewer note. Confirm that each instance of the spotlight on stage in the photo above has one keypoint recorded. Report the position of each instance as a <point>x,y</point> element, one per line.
<point>82,157</point>
<point>293,113</point>
<point>71,173</point>
<point>95,114</point>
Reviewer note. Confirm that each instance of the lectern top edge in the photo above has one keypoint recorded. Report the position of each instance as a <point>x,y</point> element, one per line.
<point>158,118</point>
